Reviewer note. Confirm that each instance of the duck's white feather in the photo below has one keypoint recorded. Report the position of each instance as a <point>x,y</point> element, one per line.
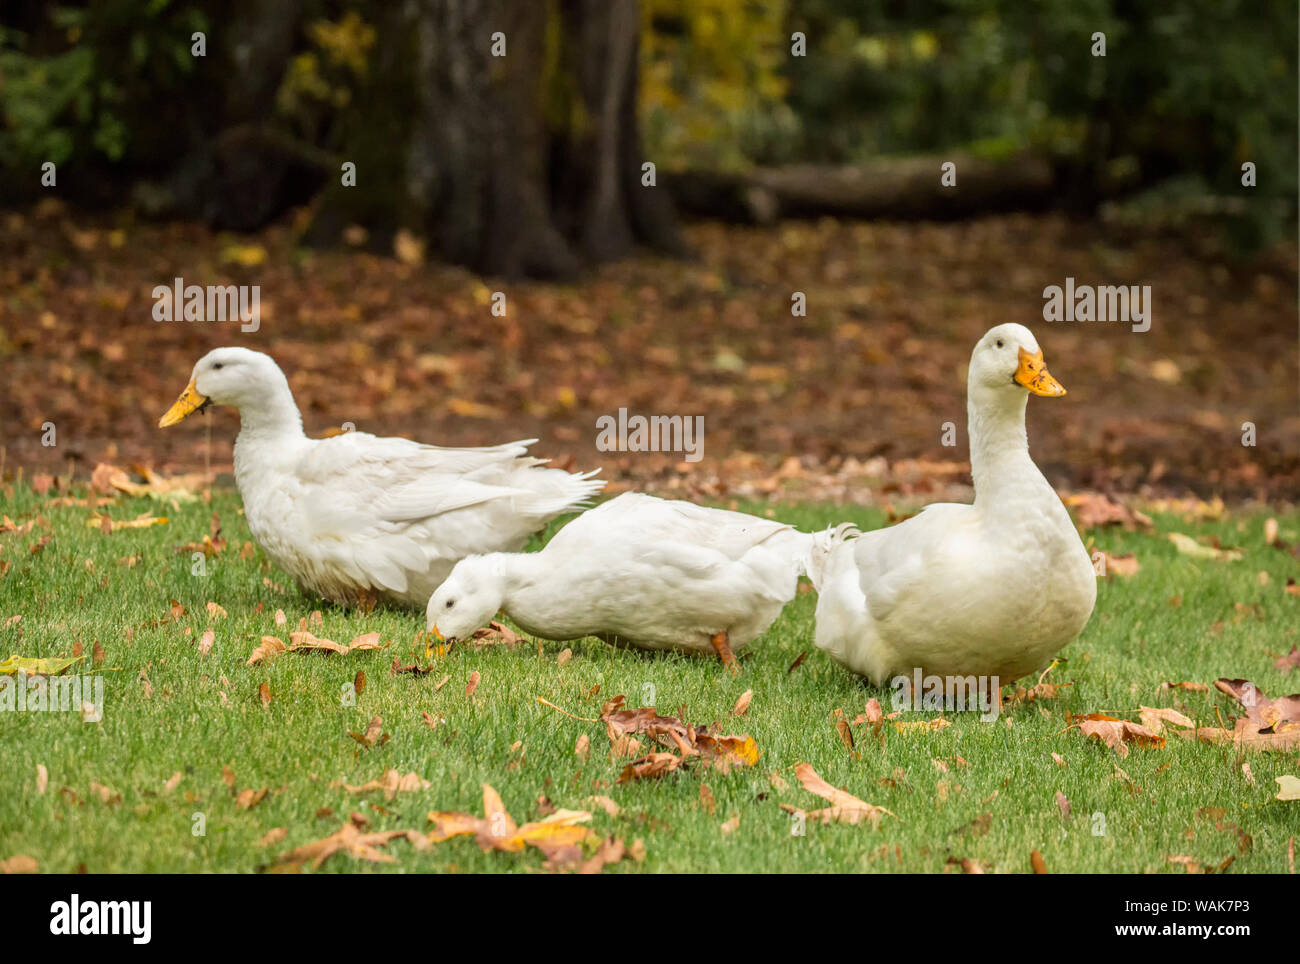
<point>991,589</point>
<point>644,572</point>
<point>359,513</point>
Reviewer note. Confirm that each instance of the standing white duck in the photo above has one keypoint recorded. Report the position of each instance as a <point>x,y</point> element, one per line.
<point>991,589</point>
<point>639,571</point>
<point>357,516</point>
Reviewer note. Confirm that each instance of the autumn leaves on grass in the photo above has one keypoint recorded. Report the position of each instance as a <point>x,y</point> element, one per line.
<point>1269,724</point>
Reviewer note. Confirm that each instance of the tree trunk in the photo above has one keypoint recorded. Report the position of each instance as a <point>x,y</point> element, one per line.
<point>526,164</point>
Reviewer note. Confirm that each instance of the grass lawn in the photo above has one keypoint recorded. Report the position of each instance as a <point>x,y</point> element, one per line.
<point>78,588</point>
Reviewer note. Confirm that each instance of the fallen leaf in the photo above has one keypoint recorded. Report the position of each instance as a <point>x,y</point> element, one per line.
<point>651,765</point>
<point>845,807</point>
<point>1117,734</point>
<point>1288,787</point>
<point>273,837</point>
<point>306,640</point>
<point>249,798</point>
<point>348,840</point>
<point>19,864</point>
<point>742,703</point>
<point>269,647</point>
<point>1093,509</point>
<point>1187,687</point>
<point>372,735</point>
<point>392,783</point>
<point>1278,715</point>
<point>1190,547</point>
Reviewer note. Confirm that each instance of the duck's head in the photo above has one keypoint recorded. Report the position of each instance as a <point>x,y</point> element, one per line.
<point>467,599</point>
<point>240,377</point>
<point>1008,362</point>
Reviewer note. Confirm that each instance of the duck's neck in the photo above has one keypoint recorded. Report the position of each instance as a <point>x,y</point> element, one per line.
<point>267,433</point>
<point>274,417</point>
<point>528,594</point>
<point>1004,474</point>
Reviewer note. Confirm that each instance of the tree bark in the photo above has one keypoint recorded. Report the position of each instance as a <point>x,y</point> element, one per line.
<point>522,165</point>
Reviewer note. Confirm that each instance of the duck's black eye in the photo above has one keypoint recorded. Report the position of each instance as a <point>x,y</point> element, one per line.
<point>450,603</point>
<point>217,366</point>
<point>999,345</point>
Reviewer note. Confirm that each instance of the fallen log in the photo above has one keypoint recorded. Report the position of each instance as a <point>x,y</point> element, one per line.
<point>895,188</point>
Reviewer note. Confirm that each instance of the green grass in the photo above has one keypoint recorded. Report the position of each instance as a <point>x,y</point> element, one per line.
<point>75,589</point>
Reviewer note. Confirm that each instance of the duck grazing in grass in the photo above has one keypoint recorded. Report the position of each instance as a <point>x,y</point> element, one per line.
<point>639,571</point>
<point>990,589</point>
<point>361,517</point>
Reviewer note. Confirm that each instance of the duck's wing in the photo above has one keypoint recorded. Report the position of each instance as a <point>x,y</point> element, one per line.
<point>647,519</point>
<point>895,562</point>
<point>405,481</point>
<point>691,542</point>
<point>378,508</point>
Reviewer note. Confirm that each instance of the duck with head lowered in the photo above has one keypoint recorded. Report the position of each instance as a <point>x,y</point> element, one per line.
<point>640,572</point>
<point>992,589</point>
<point>357,516</point>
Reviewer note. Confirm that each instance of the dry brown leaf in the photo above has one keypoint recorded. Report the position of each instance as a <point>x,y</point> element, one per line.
<point>348,840</point>
<point>273,836</point>
<point>1185,686</point>
<point>1290,661</point>
<point>269,647</point>
<point>391,784</point>
<point>372,735</point>
<point>845,807</point>
<point>366,641</point>
<point>1116,733</point>
<point>19,864</point>
<point>651,765</point>
<point>1093,509</point>
<point>249,798</point>
<point>1278,715</point>
<point>305,640</point>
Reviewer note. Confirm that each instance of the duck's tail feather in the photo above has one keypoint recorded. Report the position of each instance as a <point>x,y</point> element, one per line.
<point>821,545</point>
<point>556,492</point>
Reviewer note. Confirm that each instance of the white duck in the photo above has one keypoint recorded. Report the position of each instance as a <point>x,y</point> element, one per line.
<point>639,571</point>
<point>356,515</point>
<point>991,589</point>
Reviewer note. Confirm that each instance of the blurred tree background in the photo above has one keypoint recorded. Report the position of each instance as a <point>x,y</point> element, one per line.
<point>543,149</point>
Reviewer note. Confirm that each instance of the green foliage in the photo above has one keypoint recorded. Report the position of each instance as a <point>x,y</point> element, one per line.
<point>321,82</point>
<point>712,85</point>
<point>86,81</point>
<point>1191,88</point>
